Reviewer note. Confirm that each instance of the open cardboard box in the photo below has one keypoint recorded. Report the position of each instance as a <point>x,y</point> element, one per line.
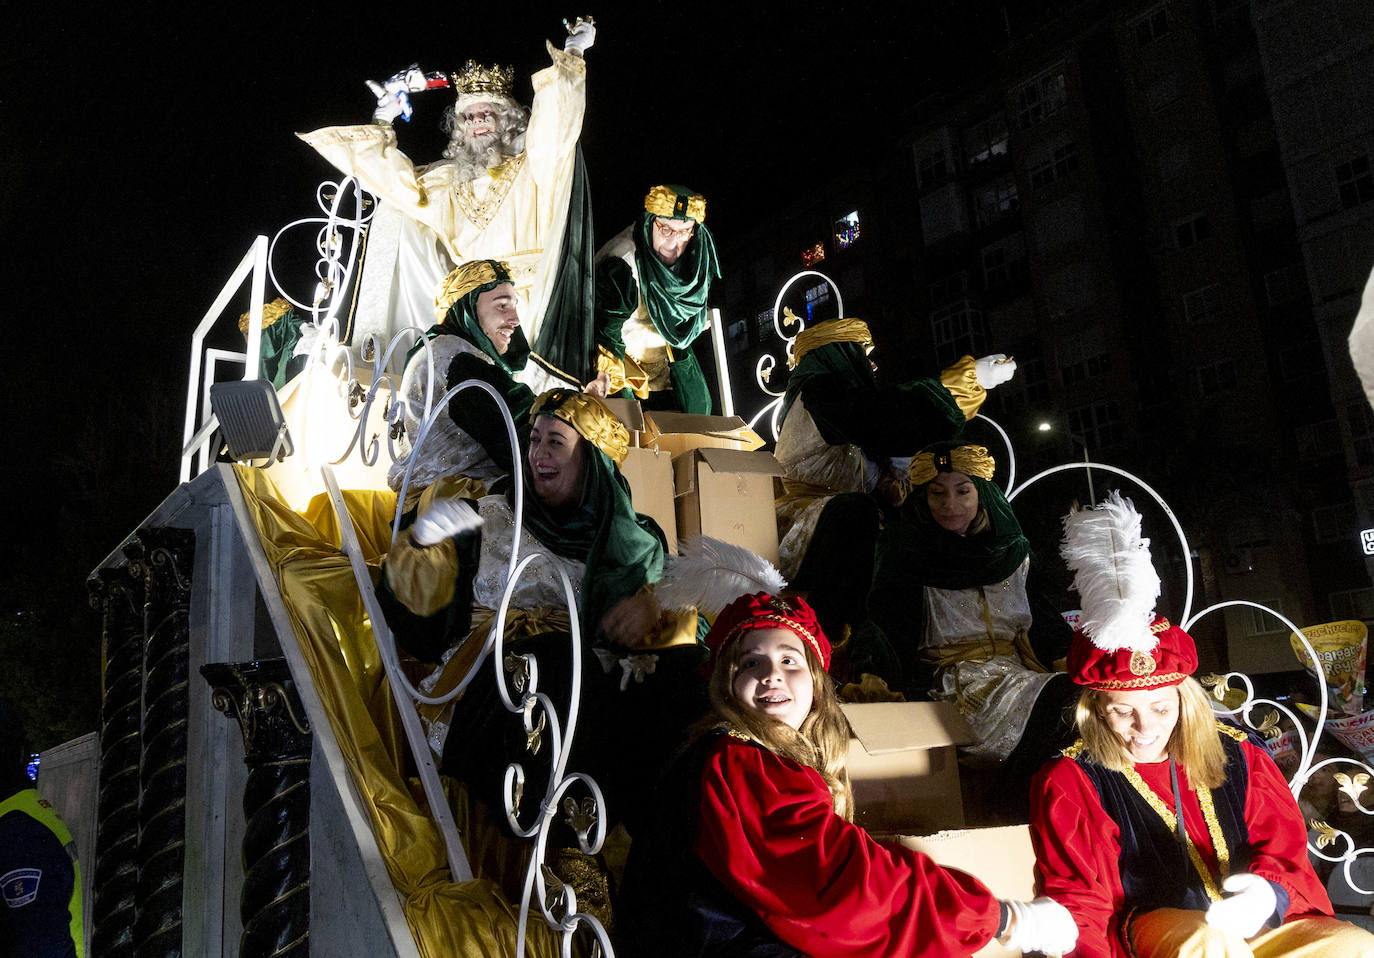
<point>903,766</point>
<point>678,432</point>
<point>1001,858</point>
<point>728,494</point>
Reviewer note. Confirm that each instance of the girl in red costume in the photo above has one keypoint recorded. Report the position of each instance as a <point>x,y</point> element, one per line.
<point>1235,880</point>
<point>758,855</point>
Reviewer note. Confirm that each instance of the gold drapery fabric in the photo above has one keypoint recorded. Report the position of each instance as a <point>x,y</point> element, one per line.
<point>446,917</point>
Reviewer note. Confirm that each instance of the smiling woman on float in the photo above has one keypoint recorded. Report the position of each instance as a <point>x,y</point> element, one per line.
<point>1234,879</point>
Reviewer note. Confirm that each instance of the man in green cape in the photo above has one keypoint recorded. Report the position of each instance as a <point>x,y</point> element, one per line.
<point>652,286</point>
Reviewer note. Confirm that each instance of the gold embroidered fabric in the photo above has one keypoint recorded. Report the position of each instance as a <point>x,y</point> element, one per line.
<point>970,460</point>
<point>1209,814</point>
<point>335,639</point>
<point>834,331</point>
<point>480,212</point>
<point>271,312</point>
<point>961,380</point>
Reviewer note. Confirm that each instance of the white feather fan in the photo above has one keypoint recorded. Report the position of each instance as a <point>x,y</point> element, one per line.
<point>1113,575</point>
<point>709,574</point>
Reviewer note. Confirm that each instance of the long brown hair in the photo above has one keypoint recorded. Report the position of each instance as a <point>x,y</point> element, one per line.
<point>1193,743</point>
<point>822,742</point>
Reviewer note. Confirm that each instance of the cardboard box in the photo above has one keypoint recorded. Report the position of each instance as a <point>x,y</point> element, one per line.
<point>904,768</point>
<point>631,416</point>
<point>728,494</point>
<point>1001,858</point>
<point>678,432</point>
<point>650,474</point>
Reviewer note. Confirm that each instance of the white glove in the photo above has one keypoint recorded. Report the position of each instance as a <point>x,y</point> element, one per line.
<point>1042,925</point>
<point>392,96</point>
<point>444,519</point>
<point>581,35</point>
<point>994,370</point>
<point>1244,912</point>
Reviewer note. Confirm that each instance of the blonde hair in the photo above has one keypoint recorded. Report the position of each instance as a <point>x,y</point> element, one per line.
<point>1193,743</point>
<point>822,742</point>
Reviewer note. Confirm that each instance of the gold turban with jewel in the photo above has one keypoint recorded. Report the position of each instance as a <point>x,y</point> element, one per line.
<point>464,279</point>
<point>590,417</point>
<point>970,460</point>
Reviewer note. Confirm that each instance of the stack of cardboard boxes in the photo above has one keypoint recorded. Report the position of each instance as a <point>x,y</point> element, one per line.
<point>701,475</point>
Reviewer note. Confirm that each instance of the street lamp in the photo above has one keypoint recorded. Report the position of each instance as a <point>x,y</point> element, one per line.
<point>1046,426</point>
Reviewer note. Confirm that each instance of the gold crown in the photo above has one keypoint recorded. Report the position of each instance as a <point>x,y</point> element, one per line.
<point>477,80</point>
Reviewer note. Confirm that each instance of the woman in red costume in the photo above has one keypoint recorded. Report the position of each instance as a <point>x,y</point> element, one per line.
<point>1235,880</point>
<point>760,857</point>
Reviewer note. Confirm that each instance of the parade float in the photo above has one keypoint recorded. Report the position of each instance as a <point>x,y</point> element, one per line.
<point>264,784</point>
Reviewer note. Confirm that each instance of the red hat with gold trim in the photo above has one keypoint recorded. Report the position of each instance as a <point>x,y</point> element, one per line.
<point>1120,643</point>
<point>763,611</point>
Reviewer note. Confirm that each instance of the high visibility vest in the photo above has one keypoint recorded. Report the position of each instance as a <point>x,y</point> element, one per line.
<point>28,802</point>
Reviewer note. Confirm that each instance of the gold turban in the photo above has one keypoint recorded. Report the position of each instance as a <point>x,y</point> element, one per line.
<point>590,417</point>
<point>970,460</point>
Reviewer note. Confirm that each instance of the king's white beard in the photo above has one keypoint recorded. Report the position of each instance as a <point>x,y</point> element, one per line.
<point>474,155</point>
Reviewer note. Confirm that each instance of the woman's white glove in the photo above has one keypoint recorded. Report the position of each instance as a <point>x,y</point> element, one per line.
<point>994,370</point>
<point>1042,925</point>
<point>581,35</point>
<point>1243,912</point>
<point>444,519</point>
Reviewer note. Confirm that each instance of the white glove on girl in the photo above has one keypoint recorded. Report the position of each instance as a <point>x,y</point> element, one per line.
<point>1244,912</point>
<point>444,519</point>
<point>1042,925</point>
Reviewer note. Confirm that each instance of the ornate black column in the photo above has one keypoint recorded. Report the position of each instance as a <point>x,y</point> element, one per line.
<point>275,906</point>
<point>164,557</point>
<point>118,596</point>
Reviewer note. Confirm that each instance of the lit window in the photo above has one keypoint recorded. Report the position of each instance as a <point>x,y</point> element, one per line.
<point>816,296</point>
<point>1203,303</point>
<point>1061,163</point>
<point>810,257</point>
<point>1193,229</point>
<point>1354,181</point>
<point>763,324</point>
<point>847,230</point>
<point>1040,98</point>
<point>986,140</point>
<point>1152,25</point>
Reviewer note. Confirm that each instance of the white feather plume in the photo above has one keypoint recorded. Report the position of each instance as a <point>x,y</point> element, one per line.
<point>709,574</point>
<point>1115,580</point>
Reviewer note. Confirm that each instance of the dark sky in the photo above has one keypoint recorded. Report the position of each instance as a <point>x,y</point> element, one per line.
<point>146,144</point>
